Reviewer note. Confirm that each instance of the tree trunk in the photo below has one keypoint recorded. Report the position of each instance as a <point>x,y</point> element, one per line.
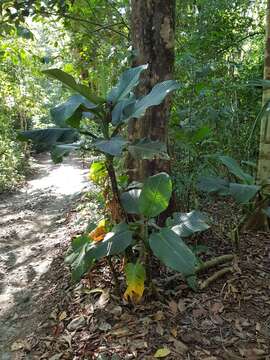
<point>259,220</point>
<point>263,173</point>
<point>152,27</point>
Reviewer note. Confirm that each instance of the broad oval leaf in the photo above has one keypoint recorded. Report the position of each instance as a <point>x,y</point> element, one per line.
<point>128,80</point>
<point>135,277</point>
<point>70,112</point>
<point>213,184</point>
<point>121,110</point>
<point>155,97</point>
<point>46,138</point>
<point>130,201</point>
<point>236,170</point>
<point>243,193</point>
<point>84,253</point>
<point>186,224</point>
<point>147,149</point>
<point>77,258</point>
<point>113,146</point>
<point>155,195</point>
<point>173,252</point>
<point>115,242</point>
<point>70,82</point>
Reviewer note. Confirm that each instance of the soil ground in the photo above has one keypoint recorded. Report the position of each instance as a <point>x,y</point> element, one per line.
<point>51,318</point>
<point>34,223</point>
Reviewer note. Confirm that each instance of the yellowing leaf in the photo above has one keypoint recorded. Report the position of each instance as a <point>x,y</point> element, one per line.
<point>99,232</point>
<point>135,277</point>
<point>62,316</point>
<point>161,353</point>
<point>98,172</point>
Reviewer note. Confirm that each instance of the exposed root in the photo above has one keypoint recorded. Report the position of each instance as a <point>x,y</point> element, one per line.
<point>214,262</point>
<point>215,276</point>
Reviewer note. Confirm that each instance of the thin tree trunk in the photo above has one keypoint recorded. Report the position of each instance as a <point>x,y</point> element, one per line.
<point>263,173</point>
<point>152,26</point>
<point>259,220</point>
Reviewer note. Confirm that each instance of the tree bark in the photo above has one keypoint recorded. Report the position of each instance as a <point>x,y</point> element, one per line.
<point>152,28</point>
<point>263,173</point>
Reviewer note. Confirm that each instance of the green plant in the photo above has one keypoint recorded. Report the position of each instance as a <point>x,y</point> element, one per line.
<point>132,228</point>
<point>252,197</point>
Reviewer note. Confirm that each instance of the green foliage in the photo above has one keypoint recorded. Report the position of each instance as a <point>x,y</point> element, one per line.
<point>242,192</point>
<point>173,252</point>
<point>84,253</point>
<point>155,195</point>
<point>187,224</point>
<point>146,202</point>
<point>12,158</point>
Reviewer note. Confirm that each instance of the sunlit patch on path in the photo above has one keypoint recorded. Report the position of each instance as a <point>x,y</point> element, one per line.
<point>32,226</point>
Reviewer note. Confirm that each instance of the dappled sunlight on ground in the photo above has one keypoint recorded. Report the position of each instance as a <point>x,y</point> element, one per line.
<point>32,226</point>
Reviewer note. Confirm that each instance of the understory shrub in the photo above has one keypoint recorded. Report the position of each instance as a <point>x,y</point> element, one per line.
<point>12,158</point>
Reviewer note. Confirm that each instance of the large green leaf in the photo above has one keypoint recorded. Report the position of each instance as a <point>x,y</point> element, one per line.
<point>77,258</point>
<point>70,82</point>
<point>186,224</point>
<point>236,170</point>
<point>243,193</point>
<point>70,112</point>
<point>113,146</point>
<point>155,195</point>
<point>84,253</point>
<point>173,252</point>
<point>121,110</point>
<point>213,184</point>
<point>49,137</point>
<point>128,80</point>
<point>130,201</point>
<point>148,149</point>
<point>115,242</point>
<point>155,97</point>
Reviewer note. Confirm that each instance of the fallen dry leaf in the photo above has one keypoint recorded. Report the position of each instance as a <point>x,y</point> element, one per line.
<point>62,316</point>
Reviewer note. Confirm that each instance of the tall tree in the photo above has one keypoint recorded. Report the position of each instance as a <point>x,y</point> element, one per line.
<point>152,33</point>
<point>263,173</point>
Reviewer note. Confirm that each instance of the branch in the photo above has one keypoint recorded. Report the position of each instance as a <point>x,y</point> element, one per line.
<point>75,18</point>
<point>239,41</point>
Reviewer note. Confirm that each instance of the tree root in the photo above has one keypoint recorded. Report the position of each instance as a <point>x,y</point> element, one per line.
<point>215,276</point>
<point>214,262</point>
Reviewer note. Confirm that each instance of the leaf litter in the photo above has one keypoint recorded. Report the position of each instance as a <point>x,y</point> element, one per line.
<point>228,320</point>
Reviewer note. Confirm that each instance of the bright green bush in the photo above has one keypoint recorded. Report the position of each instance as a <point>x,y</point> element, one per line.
<point>12,159</point>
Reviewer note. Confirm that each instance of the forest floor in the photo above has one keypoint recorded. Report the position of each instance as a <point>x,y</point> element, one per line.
<point>35,223</point>
<point>45,316</point>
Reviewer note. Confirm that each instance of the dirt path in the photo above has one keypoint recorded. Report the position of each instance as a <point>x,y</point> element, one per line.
<point>33,225</point>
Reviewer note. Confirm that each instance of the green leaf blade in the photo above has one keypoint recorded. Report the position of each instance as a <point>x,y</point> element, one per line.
<point>173,252</point>
<point>128,80</point>
<point>147,149</point>
<point>113,146</point>
<point>155,195</point>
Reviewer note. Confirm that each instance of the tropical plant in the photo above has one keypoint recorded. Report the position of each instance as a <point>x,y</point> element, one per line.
<point>130,226</point>
<point>244,190</point>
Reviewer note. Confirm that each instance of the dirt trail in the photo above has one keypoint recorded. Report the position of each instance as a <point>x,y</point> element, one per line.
<point>32,228</point>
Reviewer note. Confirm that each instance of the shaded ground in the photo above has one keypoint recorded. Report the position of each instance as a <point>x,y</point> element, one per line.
<point>34,222</point>
<point>229,320</point>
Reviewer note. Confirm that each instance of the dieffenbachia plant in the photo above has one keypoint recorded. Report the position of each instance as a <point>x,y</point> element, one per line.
<point>137,231</point>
